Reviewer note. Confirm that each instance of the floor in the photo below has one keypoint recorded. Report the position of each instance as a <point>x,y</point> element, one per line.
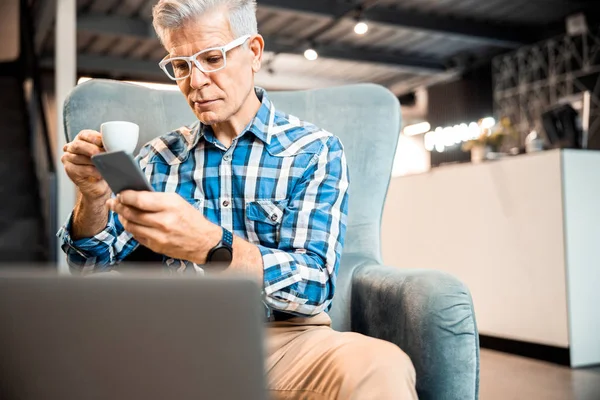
<point>508,377</point>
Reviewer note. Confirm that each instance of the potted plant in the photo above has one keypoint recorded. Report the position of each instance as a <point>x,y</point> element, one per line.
<point>489,141</point>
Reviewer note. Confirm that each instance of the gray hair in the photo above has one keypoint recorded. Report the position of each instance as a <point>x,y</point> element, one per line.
<point>169,15</point>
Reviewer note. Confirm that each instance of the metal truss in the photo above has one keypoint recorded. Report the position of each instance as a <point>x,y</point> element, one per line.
<point>530,80</point>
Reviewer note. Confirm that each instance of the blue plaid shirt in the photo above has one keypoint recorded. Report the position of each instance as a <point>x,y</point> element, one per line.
<point>281,185</point>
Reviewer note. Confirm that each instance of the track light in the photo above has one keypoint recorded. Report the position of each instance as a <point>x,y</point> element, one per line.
<point>361,27</point>
<point>311,54</point>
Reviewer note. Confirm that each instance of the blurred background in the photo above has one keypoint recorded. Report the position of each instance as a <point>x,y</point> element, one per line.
<point>483,84</point>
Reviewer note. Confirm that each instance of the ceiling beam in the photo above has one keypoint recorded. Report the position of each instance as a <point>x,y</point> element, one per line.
<point>485,32</point>
<point>113,67</point>
<point>125,26</point>
<point>330,8</point>
<point>115,25</point>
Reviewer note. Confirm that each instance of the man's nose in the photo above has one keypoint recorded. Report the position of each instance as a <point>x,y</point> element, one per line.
<point>198,78</point>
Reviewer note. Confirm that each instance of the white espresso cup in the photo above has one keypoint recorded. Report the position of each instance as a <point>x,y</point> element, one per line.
<point>120,136</point>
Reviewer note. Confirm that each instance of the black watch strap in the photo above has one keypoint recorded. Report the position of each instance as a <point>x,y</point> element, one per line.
<point>223,251</point>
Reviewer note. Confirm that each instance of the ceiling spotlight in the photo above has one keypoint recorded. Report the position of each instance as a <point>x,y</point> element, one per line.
<point>311,54</point>
<point>361,28</point>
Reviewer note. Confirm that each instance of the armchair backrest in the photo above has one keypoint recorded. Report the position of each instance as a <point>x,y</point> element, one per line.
<point>365,117</point>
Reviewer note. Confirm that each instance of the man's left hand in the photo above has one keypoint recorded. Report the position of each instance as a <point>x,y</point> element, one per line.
<point>166,224</point>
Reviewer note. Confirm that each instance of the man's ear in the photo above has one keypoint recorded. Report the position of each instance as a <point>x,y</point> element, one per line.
<point>257,46</point>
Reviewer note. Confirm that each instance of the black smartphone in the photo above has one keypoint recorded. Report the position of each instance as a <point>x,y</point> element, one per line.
<point>121,172</point>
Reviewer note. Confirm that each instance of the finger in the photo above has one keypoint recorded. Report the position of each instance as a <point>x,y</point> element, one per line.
<point>146,236</point>
<point>135,215</point>
<point>83,148</point>
<point>144,200</point>
<point>83,172</point>
<point>76,159</point>
<point>90,136</point>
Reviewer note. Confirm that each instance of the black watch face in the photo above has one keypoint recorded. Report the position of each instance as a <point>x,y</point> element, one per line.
<point>222,254</point>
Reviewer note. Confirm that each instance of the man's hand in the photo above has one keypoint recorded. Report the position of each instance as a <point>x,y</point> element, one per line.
<point>79,167</point>
<point>90,215</point>
<point>166,224</point>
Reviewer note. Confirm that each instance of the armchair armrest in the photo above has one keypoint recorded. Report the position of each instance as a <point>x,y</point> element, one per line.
<point>430,316</point>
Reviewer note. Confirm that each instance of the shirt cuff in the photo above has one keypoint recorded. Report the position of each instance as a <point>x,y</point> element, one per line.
<point>282,273</point>
<point>280,269</point>
<point>83,254</point>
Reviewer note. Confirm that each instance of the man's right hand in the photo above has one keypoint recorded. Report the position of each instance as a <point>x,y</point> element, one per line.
<point>79,167</point>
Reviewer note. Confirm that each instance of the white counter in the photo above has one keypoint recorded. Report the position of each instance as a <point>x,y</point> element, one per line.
<point>523,233</point>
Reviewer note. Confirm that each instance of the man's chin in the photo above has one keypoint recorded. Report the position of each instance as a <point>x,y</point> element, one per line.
<point>208,118</point>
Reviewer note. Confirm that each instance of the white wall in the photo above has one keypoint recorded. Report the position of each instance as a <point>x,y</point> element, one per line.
<point>411,156</point>
<point>581,196</point>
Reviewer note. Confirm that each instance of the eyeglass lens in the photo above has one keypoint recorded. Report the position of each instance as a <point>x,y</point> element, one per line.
<point>209,61</point>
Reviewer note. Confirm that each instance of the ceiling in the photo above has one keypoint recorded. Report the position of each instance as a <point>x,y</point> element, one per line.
<point>410,43</point>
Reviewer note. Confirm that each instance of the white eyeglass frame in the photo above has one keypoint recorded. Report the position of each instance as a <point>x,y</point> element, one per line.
<point>193,59</point>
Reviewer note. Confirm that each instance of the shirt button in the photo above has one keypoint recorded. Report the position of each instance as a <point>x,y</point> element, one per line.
<point>225,203</point>
<point>274,217</point>
<point>227,157</point>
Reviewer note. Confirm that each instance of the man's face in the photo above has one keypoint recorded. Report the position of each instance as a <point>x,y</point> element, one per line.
<point>217,96</point>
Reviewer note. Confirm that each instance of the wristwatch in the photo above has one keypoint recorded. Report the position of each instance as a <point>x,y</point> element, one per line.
<point>223,251</point>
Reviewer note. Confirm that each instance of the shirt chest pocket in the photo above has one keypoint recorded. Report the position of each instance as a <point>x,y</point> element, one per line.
<point>198,204</point>
<point>263,221</point>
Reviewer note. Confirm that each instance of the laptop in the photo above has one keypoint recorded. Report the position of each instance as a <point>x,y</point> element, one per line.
<point>130,338</point>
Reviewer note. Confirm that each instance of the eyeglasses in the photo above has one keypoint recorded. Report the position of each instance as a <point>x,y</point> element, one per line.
<point>208,60</point>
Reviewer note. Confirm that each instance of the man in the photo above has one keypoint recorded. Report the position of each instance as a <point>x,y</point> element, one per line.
<point>248,185</point>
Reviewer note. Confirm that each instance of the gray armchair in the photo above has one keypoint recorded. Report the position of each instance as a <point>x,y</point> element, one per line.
<point>427,313</point>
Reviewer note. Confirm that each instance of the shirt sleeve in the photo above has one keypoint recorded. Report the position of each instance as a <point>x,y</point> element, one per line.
<point>100,252</point>
<point>300,274</point>
<point>105,249</point>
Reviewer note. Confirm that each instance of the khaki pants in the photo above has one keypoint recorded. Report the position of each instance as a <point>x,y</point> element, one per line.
<point>308,360</point>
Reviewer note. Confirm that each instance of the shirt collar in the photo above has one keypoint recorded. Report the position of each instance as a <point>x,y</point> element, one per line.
<point>261,125</point>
